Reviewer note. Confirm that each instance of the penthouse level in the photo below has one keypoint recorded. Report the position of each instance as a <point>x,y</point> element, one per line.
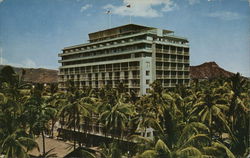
<point>133,54</point>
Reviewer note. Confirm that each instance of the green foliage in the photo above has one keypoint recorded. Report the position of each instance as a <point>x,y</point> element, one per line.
<point>207,119</point>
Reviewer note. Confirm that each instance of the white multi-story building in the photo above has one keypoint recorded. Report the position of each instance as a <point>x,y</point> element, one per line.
<point>133,54</point>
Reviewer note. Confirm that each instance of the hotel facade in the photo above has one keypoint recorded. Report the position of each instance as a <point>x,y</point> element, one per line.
<point>132,54</point>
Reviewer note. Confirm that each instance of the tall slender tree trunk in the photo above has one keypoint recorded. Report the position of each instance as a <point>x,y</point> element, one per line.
<point>43,142</point>
<point>74,129</point>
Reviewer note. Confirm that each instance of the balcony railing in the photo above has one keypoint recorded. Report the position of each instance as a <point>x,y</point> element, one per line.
<point>166,67</point>
<point>159,76</point>
<point>124,68</point>
<point>117,77</point>
<point>159,58</point>
<point>158,67</point>
<point>108,69</point>
<point>134,77</point>
<point>134,67</point>
<point>116,69</point>
<point>179,68</point>
<point>172,60</point>
<point>172,68</point>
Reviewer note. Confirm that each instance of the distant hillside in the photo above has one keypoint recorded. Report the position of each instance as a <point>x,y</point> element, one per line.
<point>39,75</point>
<point>206,70</point>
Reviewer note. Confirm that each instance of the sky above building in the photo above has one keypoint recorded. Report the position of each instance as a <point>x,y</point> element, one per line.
<point>33,32</point>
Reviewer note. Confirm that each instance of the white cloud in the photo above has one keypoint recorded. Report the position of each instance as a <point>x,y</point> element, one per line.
<point>85,7</point>
<point>1,1</point>
<point>249,2</point>
<point>27,63</point>
<point>192,2</point>
<point>225,15</point>
<point>142,8</point>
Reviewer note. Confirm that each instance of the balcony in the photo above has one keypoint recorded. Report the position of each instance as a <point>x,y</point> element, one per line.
<point>117,77</point>
<point>111,54</point>
<point>159,67</point>
<point>179,60</point>
<point>105,47</point>
<point>166,59</point>
<point>172,60</point>
<point>162,51</point>
<point>173,52</point>
<point>108,69</point>
<point>179,68</point>
<point>159,58</point>
<point>108,78</point>
<point>116,69</point>
<point>166,67</point>
<point>159,77</point>
<point>124,68</point>
<point>88,71</point>
<point>134,67</point>
<point>101,69</point>
<point>172,68</point>
<point>134,77</point>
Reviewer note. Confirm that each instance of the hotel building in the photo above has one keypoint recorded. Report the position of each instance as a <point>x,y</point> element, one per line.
<point>133,54</point>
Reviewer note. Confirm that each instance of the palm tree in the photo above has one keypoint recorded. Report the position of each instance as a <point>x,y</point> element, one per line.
<point>115,116</point>
<point>77,106</point>
<point>38,112</point>
<point>210,109</point>
<point>239,114</point>
<point>14,140</point>
<point>193,141</point>
<point>110,151</point>
<point>17,144</point>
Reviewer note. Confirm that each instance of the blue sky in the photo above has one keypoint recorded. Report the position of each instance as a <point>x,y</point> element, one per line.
<point>33,32</point>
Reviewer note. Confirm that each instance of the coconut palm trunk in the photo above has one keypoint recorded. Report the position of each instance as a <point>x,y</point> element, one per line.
<point>43,137</point>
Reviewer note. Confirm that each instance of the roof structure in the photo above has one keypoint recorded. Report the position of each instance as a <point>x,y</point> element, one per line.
<point>124,29</point>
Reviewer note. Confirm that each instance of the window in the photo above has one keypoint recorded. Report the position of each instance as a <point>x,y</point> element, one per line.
<point>147,81</point>
<point>147,73</point>
<point>148,90</point>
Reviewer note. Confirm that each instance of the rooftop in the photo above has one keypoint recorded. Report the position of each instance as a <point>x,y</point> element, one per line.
<point>124,29</point>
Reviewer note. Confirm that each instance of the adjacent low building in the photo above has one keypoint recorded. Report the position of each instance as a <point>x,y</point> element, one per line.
<point>133,54</point>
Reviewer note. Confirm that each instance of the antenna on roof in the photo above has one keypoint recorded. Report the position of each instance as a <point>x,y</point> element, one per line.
<point>129,6</point>
<point>109,13</point>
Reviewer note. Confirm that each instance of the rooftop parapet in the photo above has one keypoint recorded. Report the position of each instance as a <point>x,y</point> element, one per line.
<point>121,30</point>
